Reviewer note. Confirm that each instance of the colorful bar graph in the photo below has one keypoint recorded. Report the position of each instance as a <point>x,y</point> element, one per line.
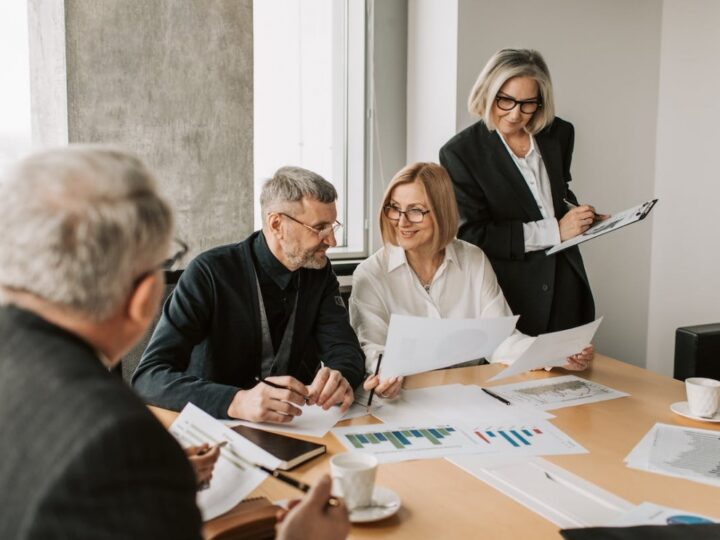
<point>400,439</point>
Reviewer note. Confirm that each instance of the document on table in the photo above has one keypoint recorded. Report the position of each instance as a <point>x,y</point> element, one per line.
<point>555,393</point>
<point>418,344</point>
<point>556,494</point>
<point>689,453</point>
<point>313,422</point>
<point>452,403</point>
<point>654,514</point>
<point>551,349</point>
<point>233,479</point>
<point>613,223</point>
<point>402,442</point>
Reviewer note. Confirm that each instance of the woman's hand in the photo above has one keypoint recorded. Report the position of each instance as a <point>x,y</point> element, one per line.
<point>388,389</point>
<point>203,458</point>
<point>581,360</point>
<point>578,220</point>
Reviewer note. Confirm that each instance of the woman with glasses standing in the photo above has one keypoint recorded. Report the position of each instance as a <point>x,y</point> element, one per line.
<point>511,174</point>
<point>424,271</point>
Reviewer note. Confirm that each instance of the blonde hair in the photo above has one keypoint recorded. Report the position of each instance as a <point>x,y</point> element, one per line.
<point>440,199</point>
<point>502,66</point>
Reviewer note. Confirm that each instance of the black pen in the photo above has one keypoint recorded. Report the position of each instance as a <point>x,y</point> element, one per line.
<point>493,394</point>
<point>279,386</point>
<point>596,216</point>
<point>377,370</point>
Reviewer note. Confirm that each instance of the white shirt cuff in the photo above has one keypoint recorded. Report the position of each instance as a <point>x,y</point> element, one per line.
<point>541,234</point>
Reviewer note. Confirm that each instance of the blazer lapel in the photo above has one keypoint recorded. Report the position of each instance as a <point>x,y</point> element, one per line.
<point>552,158</point>
<point>517,182</point>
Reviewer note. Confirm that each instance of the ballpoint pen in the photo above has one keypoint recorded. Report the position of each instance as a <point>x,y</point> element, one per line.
<point>280,386</point>
<point>571,204</point>
<point>499,398</point>
<point>377,370</point>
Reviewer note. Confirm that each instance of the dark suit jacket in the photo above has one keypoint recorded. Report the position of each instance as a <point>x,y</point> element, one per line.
<point>494,202</point>
<point>208,342</point>
<point>80,455</point>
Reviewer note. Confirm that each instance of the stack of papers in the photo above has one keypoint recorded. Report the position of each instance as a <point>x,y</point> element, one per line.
<point>682,452</point>
<point>555,393</point>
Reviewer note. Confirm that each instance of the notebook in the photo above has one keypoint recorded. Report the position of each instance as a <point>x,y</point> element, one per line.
<point>251,519</point>
<point>290,451</point>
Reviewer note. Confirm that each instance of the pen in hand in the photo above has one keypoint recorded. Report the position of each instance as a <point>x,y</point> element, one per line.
<point>279,386</point>
<point>377,370</point>
<point>596,216</point>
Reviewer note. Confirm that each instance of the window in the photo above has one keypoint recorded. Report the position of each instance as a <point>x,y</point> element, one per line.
<point>15,136</point>
<point>309,94</point>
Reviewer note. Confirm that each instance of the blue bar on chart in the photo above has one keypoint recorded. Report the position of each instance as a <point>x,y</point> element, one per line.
<point>514,437</point>
<point>399,439</point>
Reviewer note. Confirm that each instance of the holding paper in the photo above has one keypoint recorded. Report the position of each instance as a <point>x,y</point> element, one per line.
<point>418,344</point>
<point>552,349</point>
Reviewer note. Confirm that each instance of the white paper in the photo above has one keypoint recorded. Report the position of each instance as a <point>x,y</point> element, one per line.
<point>396,442</point>
<point>233,479</point>
<point>452,403</point>
<point>620,219</point>
<point>554,493</point>
<point>689,453</point>
<point>552,349</point>
<point>418,344</point>
<point>653,514</point>
<point>557,392</point>
<point>313,422</point>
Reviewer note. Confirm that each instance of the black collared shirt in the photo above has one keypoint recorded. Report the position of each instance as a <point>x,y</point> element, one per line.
<point>278,286</point>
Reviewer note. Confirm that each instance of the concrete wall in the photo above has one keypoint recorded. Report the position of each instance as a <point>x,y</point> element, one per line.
<point>685,281</point>
<point>172,82</point>
<point>604,59</point>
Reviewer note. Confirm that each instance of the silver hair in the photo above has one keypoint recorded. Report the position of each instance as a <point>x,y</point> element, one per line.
<point>291,185</point>
<point>79,225</point>
<point>502,66</point>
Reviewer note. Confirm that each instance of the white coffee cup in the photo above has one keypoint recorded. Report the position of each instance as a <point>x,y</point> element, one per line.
<point>353,475</point>
<point>703,396</point>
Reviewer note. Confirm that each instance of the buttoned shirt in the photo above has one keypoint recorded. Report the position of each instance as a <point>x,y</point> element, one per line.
<point>543,233</point>
<point>464,287</point>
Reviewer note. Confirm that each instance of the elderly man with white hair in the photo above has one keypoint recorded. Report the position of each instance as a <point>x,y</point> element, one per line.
<point>84,237</point>
<point>258,329</point>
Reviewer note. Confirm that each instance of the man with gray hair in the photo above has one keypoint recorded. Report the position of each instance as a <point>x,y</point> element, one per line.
<point>257,330</point>
<point>84,235</point>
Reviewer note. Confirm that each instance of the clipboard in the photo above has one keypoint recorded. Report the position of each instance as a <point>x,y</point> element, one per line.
<point>613,223</point>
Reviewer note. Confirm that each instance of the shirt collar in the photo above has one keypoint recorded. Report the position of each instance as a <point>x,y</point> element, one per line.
<point>534,150</point>
<point>277,271</point>
<point>397,257</point>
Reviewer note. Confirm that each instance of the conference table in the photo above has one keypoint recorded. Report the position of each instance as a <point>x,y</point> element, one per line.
<point>439,500</point>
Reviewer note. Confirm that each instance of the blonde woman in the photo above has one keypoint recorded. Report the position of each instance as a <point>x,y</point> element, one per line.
<point>423,270</point>
<point>511,174</point>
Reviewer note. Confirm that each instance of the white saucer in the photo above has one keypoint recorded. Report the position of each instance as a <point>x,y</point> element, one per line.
<point>388,504</point>
<point>682,408</point>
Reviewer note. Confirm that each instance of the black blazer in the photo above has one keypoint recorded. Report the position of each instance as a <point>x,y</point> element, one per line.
<point>208,342</point>
<point>494,202</point>
<point>82,457</point>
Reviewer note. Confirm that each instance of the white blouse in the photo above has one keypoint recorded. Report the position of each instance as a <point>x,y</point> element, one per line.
<point>464,286</point>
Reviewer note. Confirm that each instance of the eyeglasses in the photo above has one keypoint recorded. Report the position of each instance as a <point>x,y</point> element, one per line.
<point>414,215</point>
<point>168,263</point>
<point>527,106</point>
<point>323,232</point>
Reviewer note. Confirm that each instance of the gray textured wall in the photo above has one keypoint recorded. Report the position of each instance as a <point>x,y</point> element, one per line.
<point>173,82</point>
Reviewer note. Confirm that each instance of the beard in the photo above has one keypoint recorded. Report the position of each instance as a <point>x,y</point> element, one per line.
<point>313,258</point>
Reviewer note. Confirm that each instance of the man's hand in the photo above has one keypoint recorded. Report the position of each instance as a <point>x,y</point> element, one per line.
<point>578,220</point>
<point>203,458</point>
<point>389,388</point>
<point>330,388</point>
<point>265,403</point>
<point>313,517</point>
<point>581,360</point>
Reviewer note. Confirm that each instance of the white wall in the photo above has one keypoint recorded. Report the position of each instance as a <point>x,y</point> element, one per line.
<point>685,280</point>
<point>604,59</point>
<point>431,79</point>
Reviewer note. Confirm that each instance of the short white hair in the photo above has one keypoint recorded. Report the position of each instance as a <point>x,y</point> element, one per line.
<point>79,225</point>
<point>290,185</point>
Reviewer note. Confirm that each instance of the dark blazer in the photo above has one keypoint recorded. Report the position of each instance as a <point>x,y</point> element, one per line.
<point>80,456</point>
<point>208,342</point>
<point>494,202</point>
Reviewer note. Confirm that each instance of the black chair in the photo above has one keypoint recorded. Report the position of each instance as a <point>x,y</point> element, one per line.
<point>129,362</point>
<point>697,351</point>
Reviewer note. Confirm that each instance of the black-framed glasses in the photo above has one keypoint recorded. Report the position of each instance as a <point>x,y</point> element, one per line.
<point>527,106</point>
<point>323,232</point>
<point>414,215</point>
<point>167,264</point>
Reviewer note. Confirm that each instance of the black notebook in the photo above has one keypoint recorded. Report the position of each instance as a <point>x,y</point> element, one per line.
<point>290,451</point>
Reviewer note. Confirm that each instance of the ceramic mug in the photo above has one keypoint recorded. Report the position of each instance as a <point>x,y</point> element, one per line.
<point>703,396</point>
<point>353,475</point>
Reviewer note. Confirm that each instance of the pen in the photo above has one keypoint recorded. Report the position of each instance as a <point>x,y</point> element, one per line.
<point>211,448</point>
<point>377,370</point>
<point>493,394</point>
<point>573,205</point>
<point>279,386</point>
